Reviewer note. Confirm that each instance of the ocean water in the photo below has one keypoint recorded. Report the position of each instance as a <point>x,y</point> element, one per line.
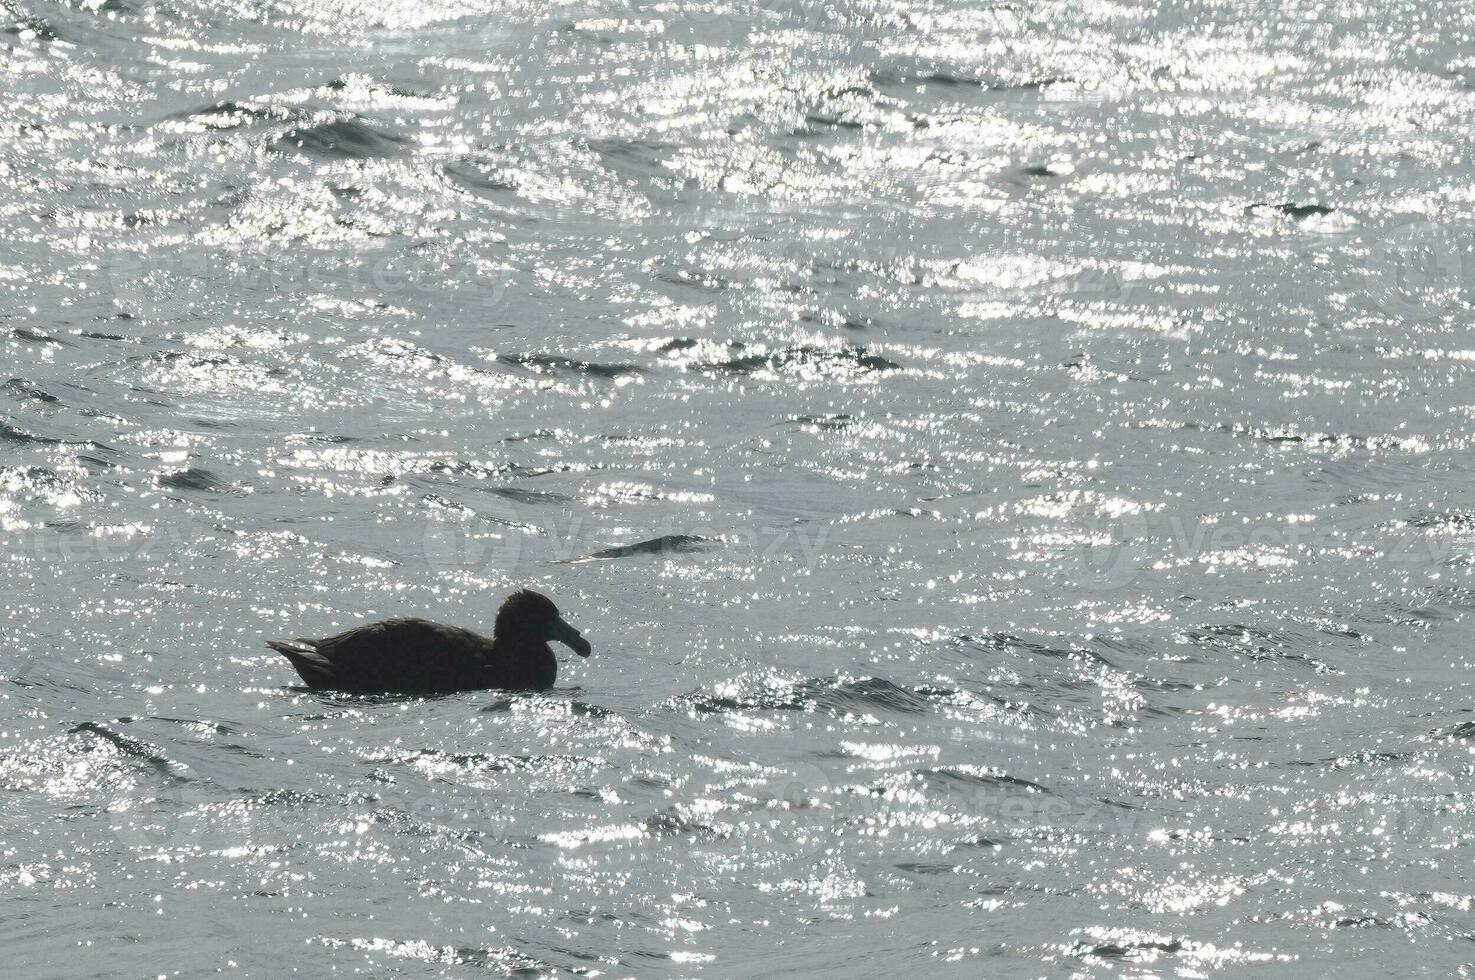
<point>1013,461</point>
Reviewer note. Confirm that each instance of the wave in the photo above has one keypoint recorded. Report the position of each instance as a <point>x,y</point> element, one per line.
<point>951,778</point>
<point>666,544</point>
<point>227,114</point>
<point>133,748</point>
<point>29,336</point>
<point>10,433</point>
<point>345,139</point>
<point>556,362</point>
<point>829,695</point>
<point>849,359</point>
<point>193,479</point>
<point>22,388</point>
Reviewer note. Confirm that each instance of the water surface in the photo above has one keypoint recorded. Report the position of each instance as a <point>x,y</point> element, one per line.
<point>1013,462</point>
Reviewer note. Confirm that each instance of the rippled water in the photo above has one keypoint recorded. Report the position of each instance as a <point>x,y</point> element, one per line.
<point>1013,462</point>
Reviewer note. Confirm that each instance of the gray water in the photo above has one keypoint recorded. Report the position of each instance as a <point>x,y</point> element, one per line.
<point>1013,462</point>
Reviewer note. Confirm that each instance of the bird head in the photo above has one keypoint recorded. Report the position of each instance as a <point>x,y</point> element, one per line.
<point>531,615</point>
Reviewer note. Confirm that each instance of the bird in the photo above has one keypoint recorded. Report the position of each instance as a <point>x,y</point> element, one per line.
<point>416,656</point>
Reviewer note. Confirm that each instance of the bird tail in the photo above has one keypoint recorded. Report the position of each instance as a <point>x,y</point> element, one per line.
<point>313,667</point>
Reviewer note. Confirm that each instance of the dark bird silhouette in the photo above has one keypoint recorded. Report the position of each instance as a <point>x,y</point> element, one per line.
<point>415,656</point>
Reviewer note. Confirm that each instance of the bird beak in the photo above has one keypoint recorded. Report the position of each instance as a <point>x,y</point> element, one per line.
<point>571,638</point>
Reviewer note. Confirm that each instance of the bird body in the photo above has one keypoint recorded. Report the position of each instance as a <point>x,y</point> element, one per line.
<point>416,656</point>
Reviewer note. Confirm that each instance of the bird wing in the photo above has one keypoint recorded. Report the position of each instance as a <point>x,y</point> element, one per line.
<point>404,654</point>
<point>315,669</point>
